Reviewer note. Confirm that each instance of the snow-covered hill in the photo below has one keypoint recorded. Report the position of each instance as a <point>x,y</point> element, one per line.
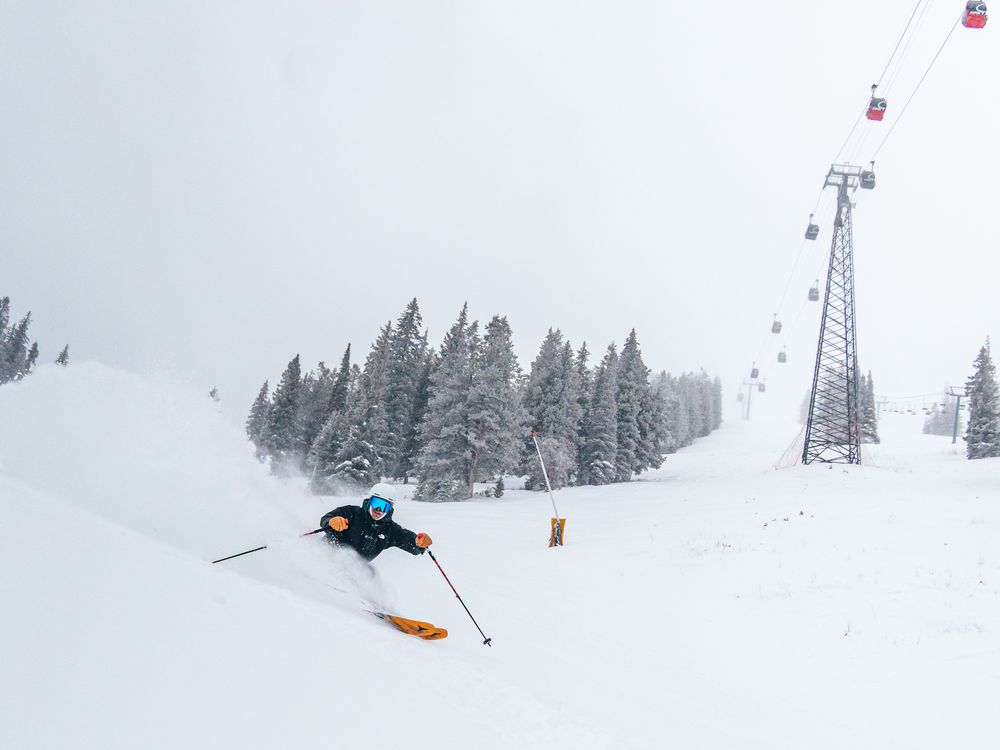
<point>718,603</point>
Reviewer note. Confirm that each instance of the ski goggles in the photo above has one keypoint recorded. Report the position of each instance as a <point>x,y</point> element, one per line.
<point>379,504</point>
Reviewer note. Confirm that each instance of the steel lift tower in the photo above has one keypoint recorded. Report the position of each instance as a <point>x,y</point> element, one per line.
<point>833,433</point>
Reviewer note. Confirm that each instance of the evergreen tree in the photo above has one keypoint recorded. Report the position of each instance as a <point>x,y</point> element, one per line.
<point>677,413</point>
<point>630,384</point>
<point>654,437</point>
<point>257,420</point>
<point>413,445</point>
<point>314,402</point>
<point>444,462</point>
<point>982,435</point>
<point>868,418</point>
<point>214,394</point>
<point>585,387</point>
<point>281,437</point>
<point>63,358</point>
<point>325,452</point>
<point>496,418</point>
<point>717,403</point>
<point>407,351</point>
<point>17,355</point>
<point>360,460</point>
<point>341,384</point>
<point>552,401</point>
<point>600,430</point>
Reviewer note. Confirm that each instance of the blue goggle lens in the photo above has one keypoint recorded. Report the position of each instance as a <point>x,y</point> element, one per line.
<point>380,503</point>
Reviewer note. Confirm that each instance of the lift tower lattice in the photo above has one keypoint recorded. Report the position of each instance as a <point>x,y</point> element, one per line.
<point>833,433</point>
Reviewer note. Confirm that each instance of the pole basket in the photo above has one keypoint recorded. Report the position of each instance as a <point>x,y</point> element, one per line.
<point>557,532</point>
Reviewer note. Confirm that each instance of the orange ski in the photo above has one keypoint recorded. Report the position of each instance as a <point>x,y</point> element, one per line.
<point>424,630</point>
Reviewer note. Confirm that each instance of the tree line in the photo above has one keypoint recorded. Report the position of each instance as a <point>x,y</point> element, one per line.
<point>464,413</point>
<point>18,353</point>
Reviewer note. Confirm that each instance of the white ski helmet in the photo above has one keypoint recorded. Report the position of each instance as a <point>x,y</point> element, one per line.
<point>383,490</point>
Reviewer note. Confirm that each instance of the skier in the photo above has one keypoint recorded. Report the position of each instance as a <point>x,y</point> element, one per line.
<point>369,529</point>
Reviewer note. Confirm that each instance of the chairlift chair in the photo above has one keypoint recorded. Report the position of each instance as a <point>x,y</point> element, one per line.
<point>975,15</point>
<point>812,231</point>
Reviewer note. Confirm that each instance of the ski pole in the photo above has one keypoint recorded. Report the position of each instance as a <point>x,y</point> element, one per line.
<point>486,641</point>
<point>258,549</point>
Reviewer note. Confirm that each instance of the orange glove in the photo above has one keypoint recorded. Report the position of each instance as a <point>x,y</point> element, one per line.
<point>423,541</point>
<point>338,523</point>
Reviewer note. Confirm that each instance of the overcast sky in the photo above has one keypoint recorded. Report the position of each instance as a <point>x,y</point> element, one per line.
<point>211,188</point>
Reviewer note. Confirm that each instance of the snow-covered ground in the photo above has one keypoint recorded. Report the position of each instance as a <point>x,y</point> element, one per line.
<point>718,603</point>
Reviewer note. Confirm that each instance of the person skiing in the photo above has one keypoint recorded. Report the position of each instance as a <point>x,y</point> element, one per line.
<point>369,529</point>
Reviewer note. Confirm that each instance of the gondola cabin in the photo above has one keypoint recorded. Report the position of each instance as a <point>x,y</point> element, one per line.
<point>876,108</point>
<point>867,180</point>
<point>761,387</point>
<point>975,15</point>
<point>754,372</point>
<point>782,357</point>
<point>814,294</point>
<point>812,231</point>
<point>776,325</point>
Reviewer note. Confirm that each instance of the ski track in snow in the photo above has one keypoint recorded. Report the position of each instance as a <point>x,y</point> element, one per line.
<point>716,603</point>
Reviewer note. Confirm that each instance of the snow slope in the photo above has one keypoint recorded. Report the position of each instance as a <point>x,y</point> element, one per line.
<point>718,603</point>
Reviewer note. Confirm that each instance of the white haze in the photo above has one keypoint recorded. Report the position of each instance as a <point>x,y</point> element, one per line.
<point>210,189</point>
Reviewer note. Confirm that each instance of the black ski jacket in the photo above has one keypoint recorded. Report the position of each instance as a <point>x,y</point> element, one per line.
<point>367,536</point>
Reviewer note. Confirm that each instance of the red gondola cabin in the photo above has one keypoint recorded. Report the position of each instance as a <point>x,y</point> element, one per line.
<point>975,15</point>
<point>876,108</point>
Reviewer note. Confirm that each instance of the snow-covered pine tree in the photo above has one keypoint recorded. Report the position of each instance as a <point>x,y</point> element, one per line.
<point>982,435</point>
<point>281,438</point>
<point>496,417</point>
<point>360,461</point>
<point>214,394</point>
<point>407,354</point>
<point>716,403</point>
<point>600,430</point>
<point>869,420</point>
<point>551,399</point>
<point>341,384</point>
<point>661,388</point>
<point>630,384</point>
<point>678,420</point>
<point>413,445</point>
<point>314,403</point>
<point>443,463</point>
<point>585,387</point>
<point>257,420</point>
<point>29,364</point>
<point>63,358</point>
<point>16,354</point>
<point>324,454</point>
<point>653,433</point>
<point>707,401</point>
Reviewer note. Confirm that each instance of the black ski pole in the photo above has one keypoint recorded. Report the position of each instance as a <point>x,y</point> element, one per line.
<point>486,641</point>
<point>258,549</point>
